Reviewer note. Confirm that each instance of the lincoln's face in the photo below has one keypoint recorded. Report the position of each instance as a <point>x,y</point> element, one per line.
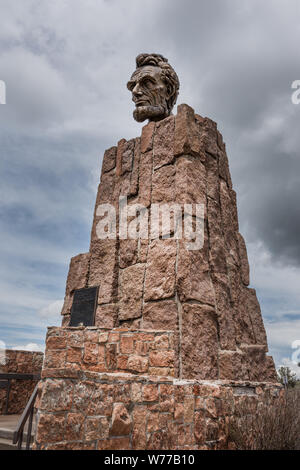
<point>149,93</point>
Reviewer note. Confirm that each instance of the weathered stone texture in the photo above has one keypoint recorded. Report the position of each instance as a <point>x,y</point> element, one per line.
<point>193,275</point>
<point>120,421</point>
<point>131,412</point>
<point>103,269</point>
<point>20,362</point>
<point>147,137</point>
<point>199,346</point>
<point>77,279</point>
<point>187,138</point>
<point>109,159</point>
<point>131,291</point>
<point>161,315</point>
<point>163,181</point>
<point>145,178</point>
<point>163,145</point>
<point>134,180</point>
<point>160,270</point>
<point>106,316</point>
<point>244,260</point>
<point>190,181</point>
<point>71,350</point>
<point>224,310</point>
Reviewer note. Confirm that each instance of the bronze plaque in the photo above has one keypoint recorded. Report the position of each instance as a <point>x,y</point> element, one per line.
<point>84,307</point>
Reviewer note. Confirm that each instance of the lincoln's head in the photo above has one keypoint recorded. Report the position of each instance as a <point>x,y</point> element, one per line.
<point>154,86</point>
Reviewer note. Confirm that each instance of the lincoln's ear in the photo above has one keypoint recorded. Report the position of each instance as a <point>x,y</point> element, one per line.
<point>170,91</point>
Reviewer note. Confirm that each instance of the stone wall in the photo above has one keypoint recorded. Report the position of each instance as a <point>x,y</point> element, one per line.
<point>155,352</point>
<point>119,389</point>
<point>107,411</point>
<point>21,362</point>
<point>72,350</point>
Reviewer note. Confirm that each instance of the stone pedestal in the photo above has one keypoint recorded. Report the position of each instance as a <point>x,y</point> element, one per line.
<point>165,313</point>
<point>114,389</point>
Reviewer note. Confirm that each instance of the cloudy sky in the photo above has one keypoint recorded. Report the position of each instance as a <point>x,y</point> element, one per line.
<point>66,63</point>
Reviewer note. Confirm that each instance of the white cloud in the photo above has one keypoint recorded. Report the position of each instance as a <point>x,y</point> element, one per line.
<point>52,310</point>
<point>28,347</point>
<point>282,334</point>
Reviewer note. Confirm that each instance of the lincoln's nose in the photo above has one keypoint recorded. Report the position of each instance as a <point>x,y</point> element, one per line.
<point>137,90</point>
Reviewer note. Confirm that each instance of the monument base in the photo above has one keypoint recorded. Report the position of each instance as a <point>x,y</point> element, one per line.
<point>117,390</point>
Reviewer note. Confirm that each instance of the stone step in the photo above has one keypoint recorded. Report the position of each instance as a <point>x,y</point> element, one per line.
<point>8,425</point>
<point>6,433</point>
<point>6,444</point>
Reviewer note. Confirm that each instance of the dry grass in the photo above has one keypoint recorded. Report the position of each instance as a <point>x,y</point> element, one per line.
<point>274,425</point>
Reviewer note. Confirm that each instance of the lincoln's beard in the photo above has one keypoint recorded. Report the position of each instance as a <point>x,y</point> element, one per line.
<point>153,113</point>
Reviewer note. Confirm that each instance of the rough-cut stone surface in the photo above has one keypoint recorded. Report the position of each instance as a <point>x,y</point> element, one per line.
<point>227,333</point>
<point>199,343</point>
<point>130,291</point>
<point>233,365</point>
<point>106,316</point>
<point>128,253</point>
<point>163,181</point>
<point>145,178</point>
<point>161,315</point>
<point>109,159</point>
<point>190,181</point>
<point>147,137</point>
<point>148,283</point>
<point>127,156</point>
<point>77,279</point>
<point>229,232</point>
<point>74,349</point>
<point>163,145</point>
<point>252,305</point>
<point>130,412</point>
<point>193,275</point>
<point>134,179</point>
<point>120,421</point>
<point>187,138</point>
<point>243,259</point>
<point>212,178</point>
<point>217,252</point>
<point>103,269</point>
<point>120,150</point>
<point>19,362</point>
<point>160,270</point>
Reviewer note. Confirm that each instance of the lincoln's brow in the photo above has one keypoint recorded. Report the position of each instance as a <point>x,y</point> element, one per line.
<point>131,83</point>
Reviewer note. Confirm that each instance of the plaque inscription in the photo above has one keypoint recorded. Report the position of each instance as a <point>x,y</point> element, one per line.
<point>84,307</point>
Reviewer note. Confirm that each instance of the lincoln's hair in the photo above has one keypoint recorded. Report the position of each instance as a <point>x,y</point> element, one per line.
<point>168,74</point>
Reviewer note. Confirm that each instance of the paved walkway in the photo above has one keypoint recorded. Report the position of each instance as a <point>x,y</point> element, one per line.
<point>8,424</point>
